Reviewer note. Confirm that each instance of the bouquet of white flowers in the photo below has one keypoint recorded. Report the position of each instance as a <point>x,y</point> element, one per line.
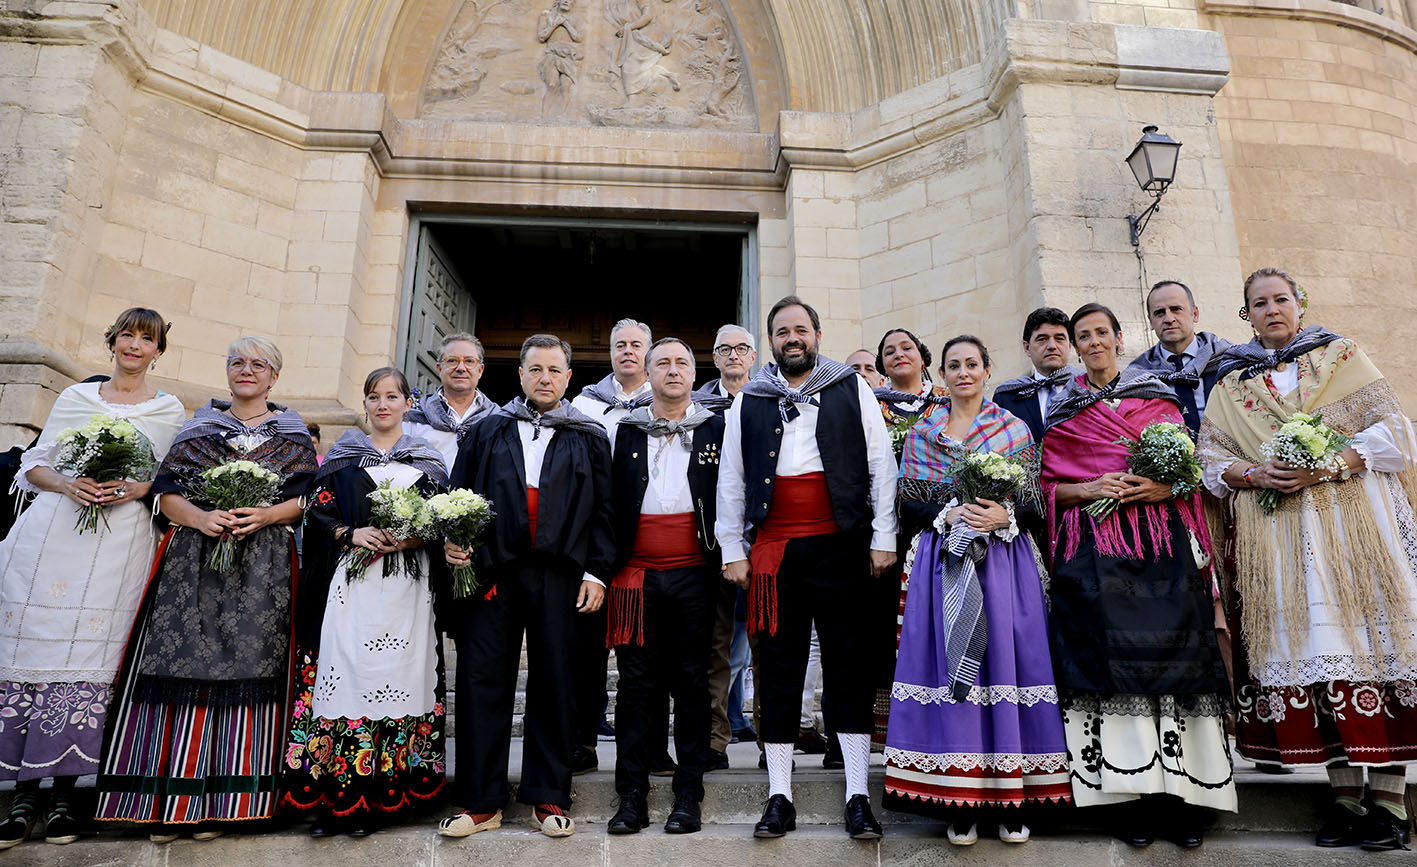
<point>1303,441</point>
<point>401,512</point>
<point>897,433</point>
<point>236,485</point>
<point>1164,453</point>
<point>460,516</point>
<point>105,449</point>
<point>988,476</point>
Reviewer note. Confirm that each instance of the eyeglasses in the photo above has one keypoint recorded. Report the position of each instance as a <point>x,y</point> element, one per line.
<point>236,363</point>
<point>724,350</point>
<point>455,363</point>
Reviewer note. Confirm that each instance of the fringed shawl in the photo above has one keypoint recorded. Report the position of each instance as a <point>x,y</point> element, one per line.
<point>1338,382</point>
<point>929,455</point>
<point>1085,447</point>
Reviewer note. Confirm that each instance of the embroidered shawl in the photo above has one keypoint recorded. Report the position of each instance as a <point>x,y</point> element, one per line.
<point>1339,383</point>
<point>355,449</point>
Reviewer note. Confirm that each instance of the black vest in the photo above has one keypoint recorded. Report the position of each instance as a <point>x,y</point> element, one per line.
<point>631,478</point>
<point>840,439</point>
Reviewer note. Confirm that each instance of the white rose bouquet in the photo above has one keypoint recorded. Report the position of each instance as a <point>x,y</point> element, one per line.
<point>400,512</point>
<point>988,476</point>
<point>105,449</point>
<point>1302,441</point>
<point>460,516</point>
<point>236,485</point>
<point>1164,453</point>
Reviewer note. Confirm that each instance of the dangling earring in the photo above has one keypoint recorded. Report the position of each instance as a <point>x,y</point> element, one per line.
<point>112,357</point>
<point>153,366</point>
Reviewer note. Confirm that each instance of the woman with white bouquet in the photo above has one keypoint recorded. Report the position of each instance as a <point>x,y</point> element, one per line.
<point>1306,443</point>
<point>974,720</point>
<point>1140,676</point>
<point>203,693</point>
<point>366,740</point>
<point>68,590</point>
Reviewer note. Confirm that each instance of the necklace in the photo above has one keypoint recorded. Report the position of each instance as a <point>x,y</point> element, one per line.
<point>266,411</point>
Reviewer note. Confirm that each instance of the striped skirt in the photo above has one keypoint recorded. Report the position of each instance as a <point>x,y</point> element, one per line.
<point>188,760</point>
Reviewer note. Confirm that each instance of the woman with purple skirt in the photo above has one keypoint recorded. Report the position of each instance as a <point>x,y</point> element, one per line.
<point>974,720</point>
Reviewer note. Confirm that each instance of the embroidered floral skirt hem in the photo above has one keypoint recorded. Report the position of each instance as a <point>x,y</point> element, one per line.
<point>1003,744</point>
<point>191,759</point>
<point>1131,745</point>
<point>357,766</point>
<point>51,729</point>
<point>1360,723</point>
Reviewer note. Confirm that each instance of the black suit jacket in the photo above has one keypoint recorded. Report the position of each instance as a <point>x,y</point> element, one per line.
<point>1025,408</point>
<point>1155,358</point>
<point>575,518</point>
<point>631,478</point>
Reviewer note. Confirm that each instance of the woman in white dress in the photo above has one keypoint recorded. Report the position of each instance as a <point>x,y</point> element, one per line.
<point>366,739</point>
<point>67,599</point>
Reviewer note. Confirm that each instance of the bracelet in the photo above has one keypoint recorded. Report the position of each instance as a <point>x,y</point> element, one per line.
<point>1246,475</point>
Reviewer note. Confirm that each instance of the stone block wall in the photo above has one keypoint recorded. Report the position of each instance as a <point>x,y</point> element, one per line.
<point>1319,130</point>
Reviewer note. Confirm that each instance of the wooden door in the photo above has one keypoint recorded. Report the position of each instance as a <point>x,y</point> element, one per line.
<point>442,305</point>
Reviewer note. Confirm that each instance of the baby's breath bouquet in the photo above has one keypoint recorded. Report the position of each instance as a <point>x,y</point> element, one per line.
<point>1303,441</point>
<point>460,516</point>
<point>1164,453</point>
<point>897,433</point>
<point>105,449</point>
<point>401,512</point>
<point>988,476</point>
<point>236,485</point>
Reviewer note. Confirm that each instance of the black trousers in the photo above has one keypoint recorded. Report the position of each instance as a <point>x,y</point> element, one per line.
<point>539,600</point>
<point>590,666</point>
<point>679,610</point>
<point>825,579</point>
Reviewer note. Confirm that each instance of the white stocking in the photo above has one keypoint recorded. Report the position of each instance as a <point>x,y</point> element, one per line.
<point>779,769</point>
<point>856,751</point>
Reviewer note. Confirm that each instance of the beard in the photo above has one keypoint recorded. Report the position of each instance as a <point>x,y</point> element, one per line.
<point>795,368</point>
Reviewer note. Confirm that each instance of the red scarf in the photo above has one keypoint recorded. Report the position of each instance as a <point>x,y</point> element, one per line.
<point>800,506</point>
<point>662,543</point>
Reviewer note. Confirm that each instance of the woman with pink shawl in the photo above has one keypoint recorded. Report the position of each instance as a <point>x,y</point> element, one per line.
<point>1139,673</point>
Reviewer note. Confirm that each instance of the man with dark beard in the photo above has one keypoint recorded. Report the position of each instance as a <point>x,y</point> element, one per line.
<point>547,554</point>
<point>809,476</point>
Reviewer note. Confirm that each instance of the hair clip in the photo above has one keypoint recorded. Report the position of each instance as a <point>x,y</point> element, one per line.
<point>1245,313</point>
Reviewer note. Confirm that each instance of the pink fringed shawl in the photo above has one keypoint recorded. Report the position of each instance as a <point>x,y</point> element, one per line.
<point>1084,448</point>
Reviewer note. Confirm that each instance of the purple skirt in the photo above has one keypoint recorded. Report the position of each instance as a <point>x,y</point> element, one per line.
<point>1004,743</point>
<point>51,729</point>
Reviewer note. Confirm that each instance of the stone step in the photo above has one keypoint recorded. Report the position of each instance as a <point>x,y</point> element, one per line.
<point>591,846</point>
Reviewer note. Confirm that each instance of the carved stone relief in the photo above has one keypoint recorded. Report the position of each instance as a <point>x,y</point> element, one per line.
<point>640,63</point>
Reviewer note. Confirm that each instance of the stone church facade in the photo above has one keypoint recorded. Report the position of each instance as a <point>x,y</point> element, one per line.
<point>355,177</point>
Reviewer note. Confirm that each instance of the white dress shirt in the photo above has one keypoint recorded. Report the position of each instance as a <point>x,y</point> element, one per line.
<point>533,456</point>
<point>445,441</point>
<point>668,490</point>
<point>799,455</point>
<point>608,419</point>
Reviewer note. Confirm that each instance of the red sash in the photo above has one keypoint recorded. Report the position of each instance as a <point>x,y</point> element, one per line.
<point>662,542</point>
<point>800,506</point>
<point>532,497</point>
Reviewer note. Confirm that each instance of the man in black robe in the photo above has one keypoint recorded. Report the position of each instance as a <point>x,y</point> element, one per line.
<point>661,600</point>
<point>548,552</point>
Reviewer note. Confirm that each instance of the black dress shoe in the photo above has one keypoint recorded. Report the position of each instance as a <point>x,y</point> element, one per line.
<point>326,825</point>
<point>779,818</point>
<point>1381,831</point>
<point>1137,839</point>
<point>1186,838</point>
<point>745,734</point>
<point>832,760</point>
<point>716,761</point>
<point>686,817</point>
<point>860,823</point>
<point>583,761</point>
<point>1340,828</point>
<point>663,766</point>
<point>361,827</point>
<point>632,815</point>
